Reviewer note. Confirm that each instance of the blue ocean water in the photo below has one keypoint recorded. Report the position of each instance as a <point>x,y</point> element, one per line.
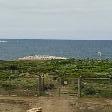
<point>15,48</point>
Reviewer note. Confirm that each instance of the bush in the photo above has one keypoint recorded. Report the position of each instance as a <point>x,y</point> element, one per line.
<point>48,86</point>
<point>8,86</point>
<point>89,91</point>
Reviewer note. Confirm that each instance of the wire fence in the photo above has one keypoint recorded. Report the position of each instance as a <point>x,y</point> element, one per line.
<point>40,85</point>
<point>97,87</point>
<point>87,87</point>
<point>28,86</point>
<point>21,86</point>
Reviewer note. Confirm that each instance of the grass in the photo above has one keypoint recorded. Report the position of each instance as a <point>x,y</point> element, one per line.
<point>16,75</point>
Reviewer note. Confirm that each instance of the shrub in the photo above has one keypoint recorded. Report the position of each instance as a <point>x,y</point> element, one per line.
<point>89,91</point>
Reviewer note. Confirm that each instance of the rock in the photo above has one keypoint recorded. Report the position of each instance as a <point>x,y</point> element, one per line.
<point>35,110</point>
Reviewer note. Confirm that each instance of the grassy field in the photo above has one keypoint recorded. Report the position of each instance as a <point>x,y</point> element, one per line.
<point>21,76</point>
<point>68,67</point>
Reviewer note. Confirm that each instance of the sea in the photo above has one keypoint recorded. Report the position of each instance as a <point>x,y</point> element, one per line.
<point>12,49</point>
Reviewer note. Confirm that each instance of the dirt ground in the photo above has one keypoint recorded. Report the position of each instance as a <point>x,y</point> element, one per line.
<point>6,107</point>
<point>48,104</point>
<point>55,104</point>
<point>93,105</point>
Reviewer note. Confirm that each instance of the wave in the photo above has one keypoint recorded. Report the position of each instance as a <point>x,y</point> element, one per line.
<point>3,41</point>
<point>41,57</point>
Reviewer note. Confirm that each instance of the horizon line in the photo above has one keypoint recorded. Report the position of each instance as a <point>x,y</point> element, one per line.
<point>48,39</point>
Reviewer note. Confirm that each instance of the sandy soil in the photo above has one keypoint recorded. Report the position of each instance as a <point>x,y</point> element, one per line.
<point>9,104</point>
<point>55,104</point>
<point>48,104</point>
<point>6,107</point>
<point>93,105</point>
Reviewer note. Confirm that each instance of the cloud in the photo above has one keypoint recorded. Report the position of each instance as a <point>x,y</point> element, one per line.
<point>55,17</point>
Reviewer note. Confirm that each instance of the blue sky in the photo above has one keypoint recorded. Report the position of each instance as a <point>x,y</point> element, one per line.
<point>56,19</point>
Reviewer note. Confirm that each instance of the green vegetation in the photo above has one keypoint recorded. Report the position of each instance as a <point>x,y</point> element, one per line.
<point>13,73</point>
<point>61,68</point>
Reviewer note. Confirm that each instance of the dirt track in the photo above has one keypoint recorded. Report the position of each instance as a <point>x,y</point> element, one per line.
<point>48,104</point>
<point>55,104</point>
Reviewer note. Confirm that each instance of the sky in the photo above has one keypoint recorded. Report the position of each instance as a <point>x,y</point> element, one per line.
<point>56,19</point>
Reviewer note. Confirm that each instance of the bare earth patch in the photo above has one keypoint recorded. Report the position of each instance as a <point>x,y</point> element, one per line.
<point>93,105</point>
<point>11,105</point>
<point>48,104</point>
<point>55,104</point>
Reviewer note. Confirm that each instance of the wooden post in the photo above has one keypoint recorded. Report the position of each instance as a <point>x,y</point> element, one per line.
<point>79,87</point>
<point>39,85</point>
<point>9,86</point>
<point>42,83</point>
<point>59,91</point>
<point>59,87</point>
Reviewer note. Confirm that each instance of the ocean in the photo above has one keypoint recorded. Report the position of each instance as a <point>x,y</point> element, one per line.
<point>11,49</point>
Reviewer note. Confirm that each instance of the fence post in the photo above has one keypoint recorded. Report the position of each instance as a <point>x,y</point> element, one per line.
<point>42,83</point>
<point>59,90</point>
<point>39,85</point>
<point>79,87</point>
<point>9,85</point>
